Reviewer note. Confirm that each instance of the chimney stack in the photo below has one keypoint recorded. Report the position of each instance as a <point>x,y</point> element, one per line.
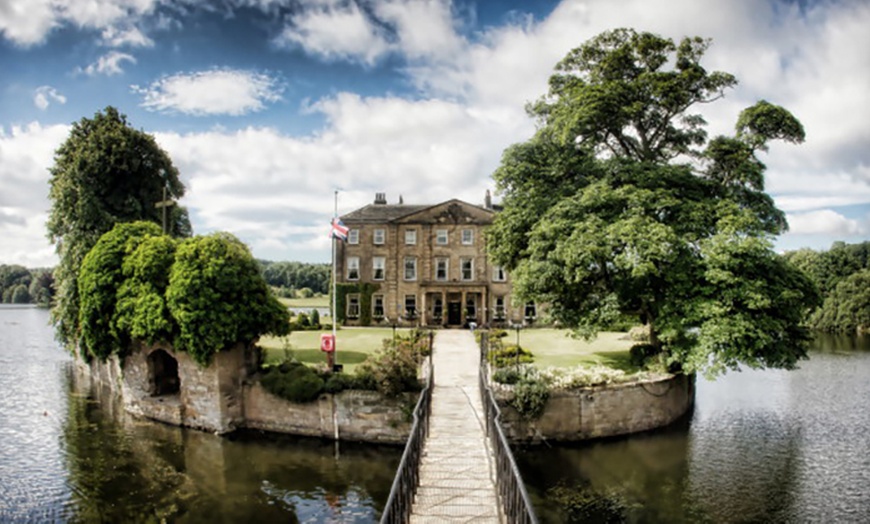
<point>380,198</point>
<point>487,200</point>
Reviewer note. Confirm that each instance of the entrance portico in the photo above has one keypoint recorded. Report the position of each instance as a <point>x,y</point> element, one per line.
<point>454,306</point>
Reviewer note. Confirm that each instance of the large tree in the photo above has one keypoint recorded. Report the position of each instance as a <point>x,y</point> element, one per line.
<point>619,204</point>
<point>105,173</point>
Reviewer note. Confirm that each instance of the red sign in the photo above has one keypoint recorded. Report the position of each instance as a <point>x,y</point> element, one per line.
<point>327,342</point>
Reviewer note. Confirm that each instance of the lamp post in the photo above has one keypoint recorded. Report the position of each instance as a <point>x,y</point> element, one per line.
<point>517,327</point>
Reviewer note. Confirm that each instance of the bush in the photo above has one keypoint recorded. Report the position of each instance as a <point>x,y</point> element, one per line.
<point>338,382</point>
<point>639,353</point>
<point>393,369</point>
<point>509,355</point>
<point>530,397</point>
<point>293,381</point>
<point>584,376</point>
<point>315,318</point>
<point>509,375</point>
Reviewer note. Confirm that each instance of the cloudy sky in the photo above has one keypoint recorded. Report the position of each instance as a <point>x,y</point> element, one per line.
<point>268,106</point>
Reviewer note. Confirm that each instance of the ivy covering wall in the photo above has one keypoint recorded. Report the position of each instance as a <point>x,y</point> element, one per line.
<point>365,291</point>
<point>201,294</point>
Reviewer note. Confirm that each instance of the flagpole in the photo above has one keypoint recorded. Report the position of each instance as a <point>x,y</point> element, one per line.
<point>334,312</point>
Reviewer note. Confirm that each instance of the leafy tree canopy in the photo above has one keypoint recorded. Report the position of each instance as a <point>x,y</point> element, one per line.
<point>839,272</point>
<point>20,285</point>
<point>218,297</point>
<point>201,294</point>
<point>619,204</point>
<point>105,173</point>
<point>98,282</point>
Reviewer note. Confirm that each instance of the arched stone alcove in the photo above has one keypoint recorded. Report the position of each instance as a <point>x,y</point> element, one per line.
<point>162,374</point>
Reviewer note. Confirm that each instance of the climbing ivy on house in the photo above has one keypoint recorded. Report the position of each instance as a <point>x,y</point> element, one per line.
<point>365,291</point>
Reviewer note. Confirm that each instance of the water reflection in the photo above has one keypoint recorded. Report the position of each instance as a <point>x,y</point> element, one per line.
<point>71,453</point>
<point>761,446</point>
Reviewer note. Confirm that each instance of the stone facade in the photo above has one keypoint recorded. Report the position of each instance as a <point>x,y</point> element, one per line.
<point>428,263</point>
<point>604,411</point>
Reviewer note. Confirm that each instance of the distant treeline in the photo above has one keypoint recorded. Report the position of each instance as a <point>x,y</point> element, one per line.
<point>19,285</point>
<point>843,276</point>
<point>297,276</point>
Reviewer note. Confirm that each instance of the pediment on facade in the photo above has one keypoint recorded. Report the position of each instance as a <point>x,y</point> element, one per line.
<point>450,212</point>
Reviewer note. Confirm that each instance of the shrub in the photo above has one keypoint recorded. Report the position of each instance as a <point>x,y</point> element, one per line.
<point>393,369</point>
<point>338,382</point>
<point>509,375</point>
<point>293,381</point>
<point>530,397</point>
<point>218,297</point>
<point>315,318</point>
<point>364,379</point>
<point>584,376</point>
<point>509,355</point>
<point>639,353</point>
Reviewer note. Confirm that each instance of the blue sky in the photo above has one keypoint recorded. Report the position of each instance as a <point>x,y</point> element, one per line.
<point>268,106</point>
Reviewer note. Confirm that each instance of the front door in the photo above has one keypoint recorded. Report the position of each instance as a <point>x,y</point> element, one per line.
<point>454,313</point>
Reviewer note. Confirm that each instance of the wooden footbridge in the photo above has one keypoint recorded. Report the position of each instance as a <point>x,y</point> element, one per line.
<point>457,466</point>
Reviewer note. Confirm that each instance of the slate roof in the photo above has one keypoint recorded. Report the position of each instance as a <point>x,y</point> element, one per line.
<point>381,213</point>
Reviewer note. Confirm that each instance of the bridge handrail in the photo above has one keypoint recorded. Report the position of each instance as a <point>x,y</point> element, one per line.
<point>512,492</point>
<point>399,504</point>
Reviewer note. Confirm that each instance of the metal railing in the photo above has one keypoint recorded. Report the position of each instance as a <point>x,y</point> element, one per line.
<point>401,500</point>
<point>512,492</point>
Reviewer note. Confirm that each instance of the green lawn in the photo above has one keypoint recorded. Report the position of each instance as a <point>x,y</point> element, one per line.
<point>353,346</point>
<point>553,347</point>
<point>311,302</point>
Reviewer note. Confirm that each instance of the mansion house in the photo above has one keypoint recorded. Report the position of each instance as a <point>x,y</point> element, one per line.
<point>422,265</point>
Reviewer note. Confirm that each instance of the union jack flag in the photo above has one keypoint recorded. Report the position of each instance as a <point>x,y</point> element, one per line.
<point>339,230</point>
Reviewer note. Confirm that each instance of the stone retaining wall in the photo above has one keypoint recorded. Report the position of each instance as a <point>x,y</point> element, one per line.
<point>365,416</point>
<point>224,397</point>
<point>603,411</point>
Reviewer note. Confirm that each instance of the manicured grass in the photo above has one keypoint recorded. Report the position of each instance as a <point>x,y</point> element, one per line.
<point>553,347</point>
<point>354,345</point>
<point>311,302</point>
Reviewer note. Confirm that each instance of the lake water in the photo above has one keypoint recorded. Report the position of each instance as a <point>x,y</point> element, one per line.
<point>69,454</point>
<point>760,446</point>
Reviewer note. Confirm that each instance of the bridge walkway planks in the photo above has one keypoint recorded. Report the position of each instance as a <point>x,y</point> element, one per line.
<point>457,475</point>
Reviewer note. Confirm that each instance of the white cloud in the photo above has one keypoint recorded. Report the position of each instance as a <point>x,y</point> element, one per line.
<point>423,29</point>
<point>426,151</point>
<point>28,22</point>
<point>824,222</point>
<point>27,154</point>
<point>275,191</point>
<point>216,92</point>
<point>335,31</point>
<point>44,95</point>
<point>108,64</point>
<point>127,36</point>
<point>343,31</point>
